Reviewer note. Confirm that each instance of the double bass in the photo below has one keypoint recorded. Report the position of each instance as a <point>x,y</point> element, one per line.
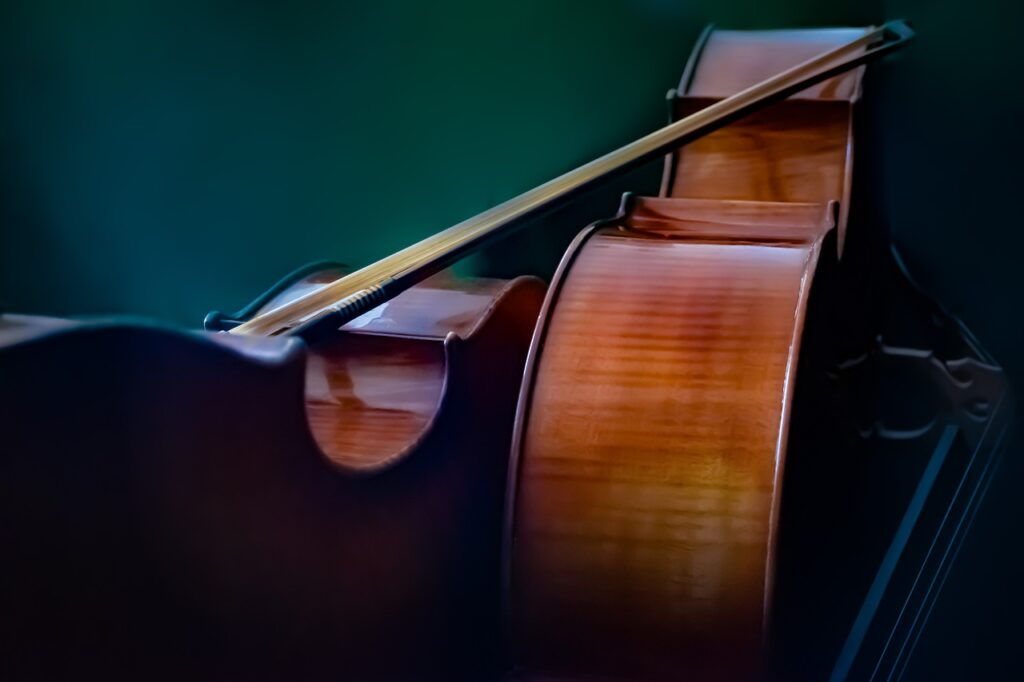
<point>393,473</point>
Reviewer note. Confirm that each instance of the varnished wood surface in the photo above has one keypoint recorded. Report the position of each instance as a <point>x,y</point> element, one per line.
<point>793,151</point>
<point>735,221</point>
<point>169,515</point>
<point>651,455</point>
<point>374,392</point>
<point>731,61</point>
<point>370,399</point>
<point>799,150</point>
<point>440,305</point>
<point>651,431</point>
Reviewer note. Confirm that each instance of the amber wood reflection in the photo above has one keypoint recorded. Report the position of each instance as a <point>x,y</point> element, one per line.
<point>650,461</point>
<point>652,425</point>
<point>369,399</point>
<point>374,393</point>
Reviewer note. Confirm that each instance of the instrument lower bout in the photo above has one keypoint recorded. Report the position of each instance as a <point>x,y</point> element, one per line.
<point>652,438</point>
<point>651,434</point>
<point>296,511</point>
<point>376,388</point>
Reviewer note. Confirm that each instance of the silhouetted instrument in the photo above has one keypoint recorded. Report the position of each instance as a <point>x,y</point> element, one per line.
<point>243,504</point>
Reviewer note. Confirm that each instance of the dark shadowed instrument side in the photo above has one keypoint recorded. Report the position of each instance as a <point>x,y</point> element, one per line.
<point>174,508</point>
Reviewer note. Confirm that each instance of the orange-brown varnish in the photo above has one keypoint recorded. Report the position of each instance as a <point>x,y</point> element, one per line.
<point>652,427</point>
<point>375,391</point>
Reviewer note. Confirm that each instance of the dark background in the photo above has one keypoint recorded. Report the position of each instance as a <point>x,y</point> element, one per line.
<point>164,158</point>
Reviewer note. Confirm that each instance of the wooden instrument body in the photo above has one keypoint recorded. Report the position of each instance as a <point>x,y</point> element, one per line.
<point>651,433</point>
<point>212,507</point>
<point>171,497</point>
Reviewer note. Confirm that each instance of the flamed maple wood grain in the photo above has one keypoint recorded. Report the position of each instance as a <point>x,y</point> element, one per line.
<point>374,392</point>
<point>647,482</point>
<point>648,458</point>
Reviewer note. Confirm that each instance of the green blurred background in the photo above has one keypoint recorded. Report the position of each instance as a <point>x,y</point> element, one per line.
<point>164,158</point>
<point>168,157</point>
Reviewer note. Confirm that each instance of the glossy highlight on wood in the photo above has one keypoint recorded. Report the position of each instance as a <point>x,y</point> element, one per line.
<point>376,388</point>
<point>651,434</point>
<point>369,400</point>
<point>374,391</point>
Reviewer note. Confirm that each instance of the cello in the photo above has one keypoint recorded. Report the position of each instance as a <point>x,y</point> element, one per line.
<point>346,514</point>
<point>652,430</point>
<point>687,349</point>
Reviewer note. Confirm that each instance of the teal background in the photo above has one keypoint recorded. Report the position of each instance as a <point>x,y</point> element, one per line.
<point>164,158</point>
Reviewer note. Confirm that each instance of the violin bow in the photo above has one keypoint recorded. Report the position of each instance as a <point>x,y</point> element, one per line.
<point>338,302</point>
